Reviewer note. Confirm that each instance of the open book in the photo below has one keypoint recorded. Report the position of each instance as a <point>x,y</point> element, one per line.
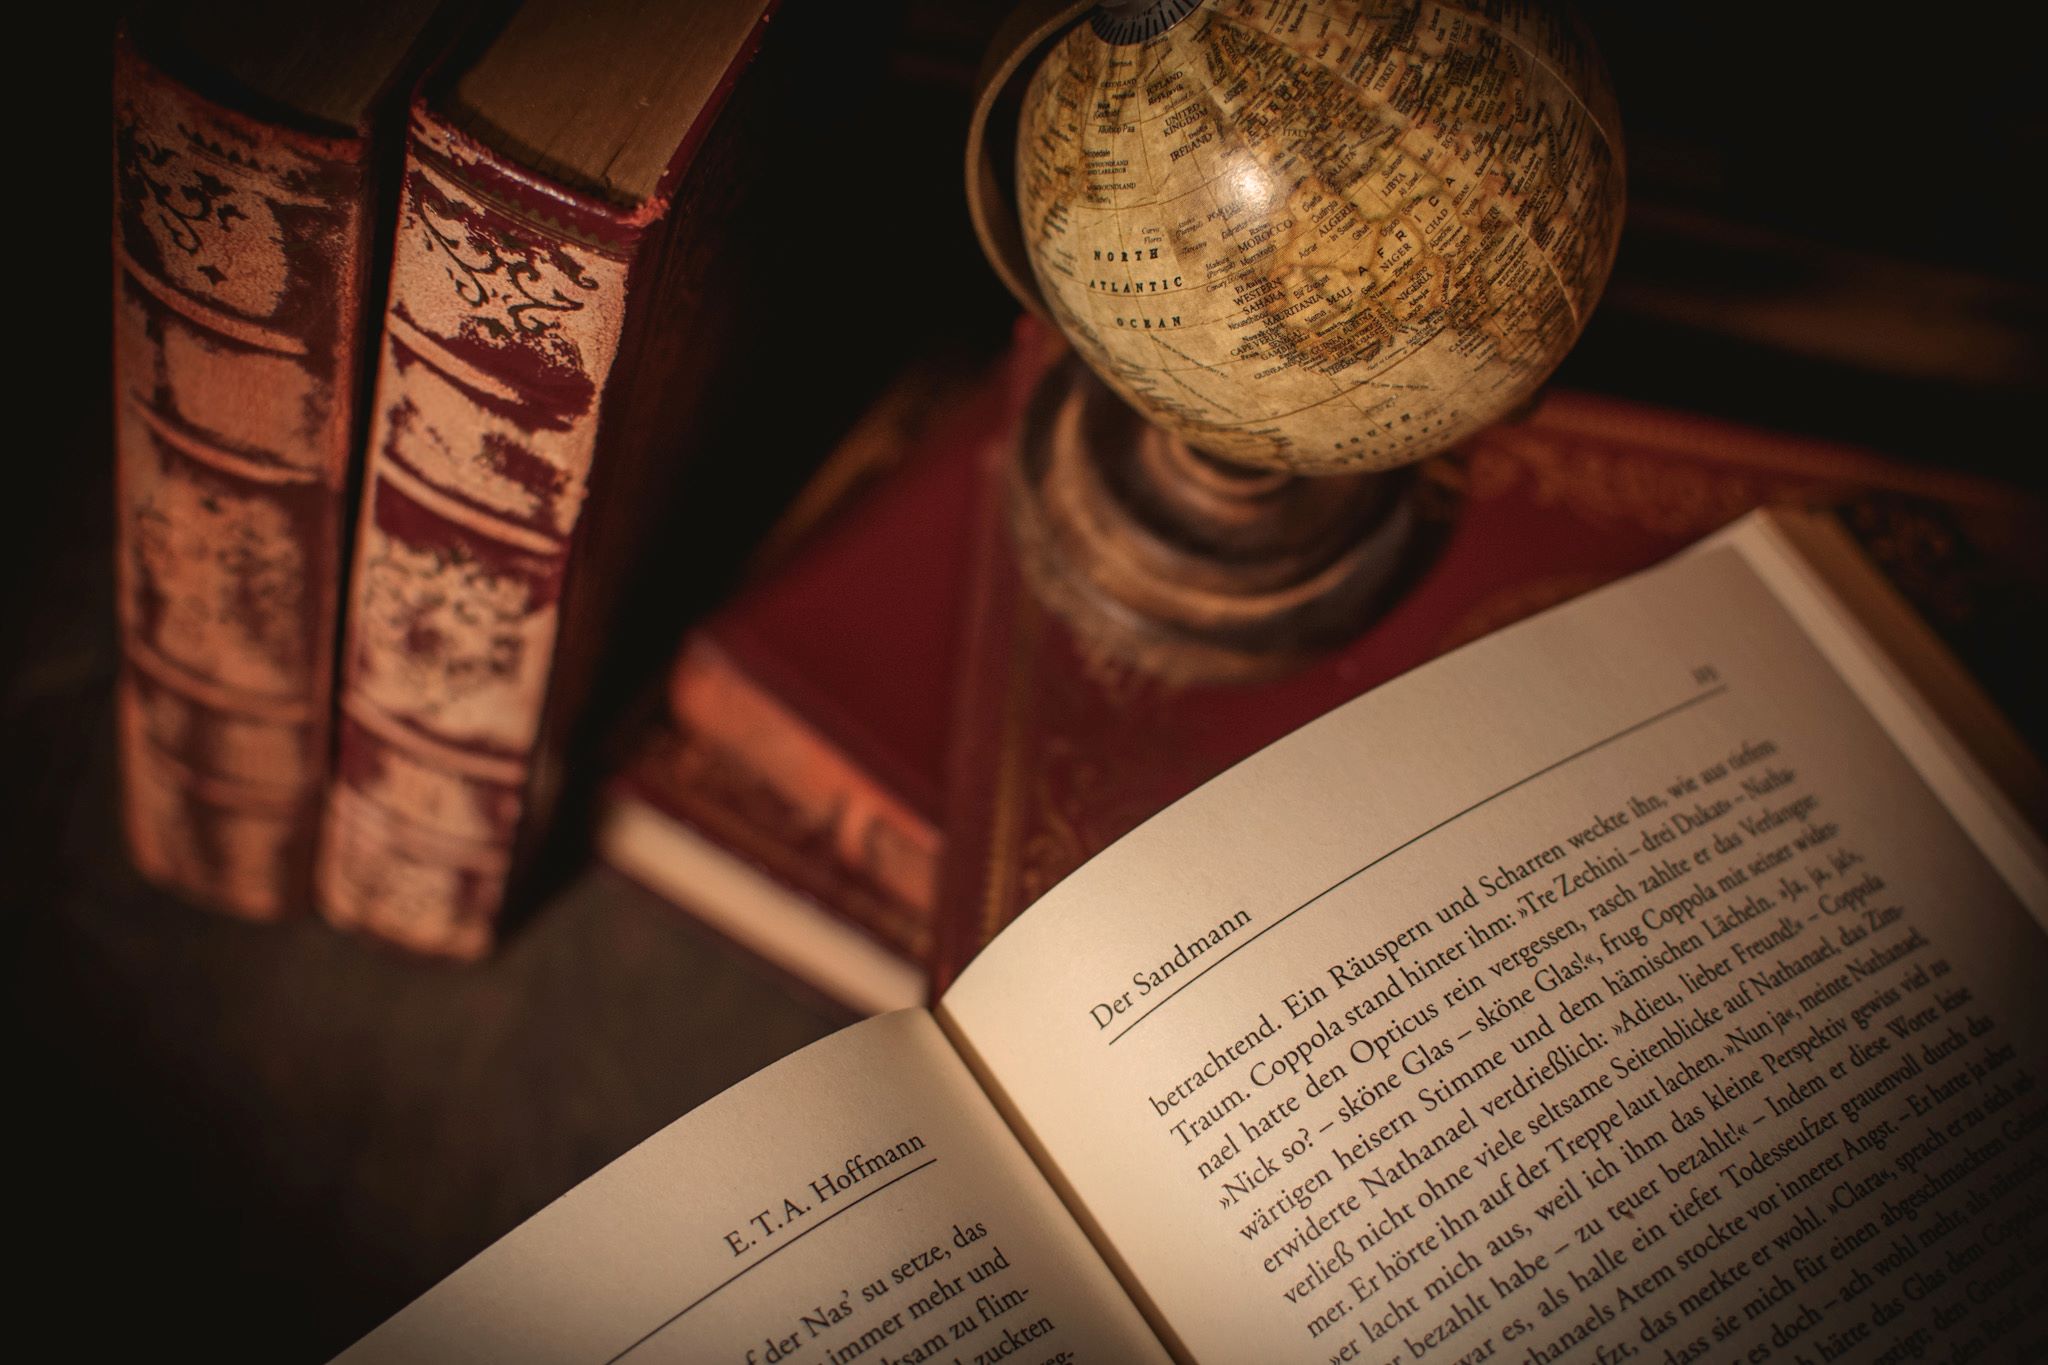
<point>1658,978</point>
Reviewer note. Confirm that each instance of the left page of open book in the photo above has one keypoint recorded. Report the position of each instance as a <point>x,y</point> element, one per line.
<point>858,1202</point>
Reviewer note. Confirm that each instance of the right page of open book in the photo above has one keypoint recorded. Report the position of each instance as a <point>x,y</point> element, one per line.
<point>1613,988</point>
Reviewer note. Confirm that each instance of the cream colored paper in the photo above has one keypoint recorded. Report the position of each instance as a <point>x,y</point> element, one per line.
<point>858,1202</point>
<point>1481,1019</point>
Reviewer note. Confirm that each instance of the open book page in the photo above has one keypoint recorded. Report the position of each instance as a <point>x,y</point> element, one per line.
<point>1615,986</point>
<point>858,1202</point>
<point>1947,728</point>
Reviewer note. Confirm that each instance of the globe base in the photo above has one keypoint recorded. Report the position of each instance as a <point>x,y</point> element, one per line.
<point>1185,566</point>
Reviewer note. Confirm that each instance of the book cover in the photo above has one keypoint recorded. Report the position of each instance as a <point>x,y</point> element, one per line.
<point>1073,748</point>
<point>245,242</point>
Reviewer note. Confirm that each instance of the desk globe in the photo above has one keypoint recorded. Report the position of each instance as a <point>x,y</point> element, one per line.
<point>1301,244</point>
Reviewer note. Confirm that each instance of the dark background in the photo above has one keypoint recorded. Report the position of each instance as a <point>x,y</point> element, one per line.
<point>260,1142</point>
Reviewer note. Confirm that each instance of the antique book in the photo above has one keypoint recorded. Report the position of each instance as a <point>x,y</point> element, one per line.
<point>791,794</point>
<point>1074,749</point>
<point>1655,978</point>
<point>251,151</point>
<point>574,273</point>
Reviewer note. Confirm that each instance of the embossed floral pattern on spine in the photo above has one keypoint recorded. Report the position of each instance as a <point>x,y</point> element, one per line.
<point>239,266</point>
<point>506,306</point>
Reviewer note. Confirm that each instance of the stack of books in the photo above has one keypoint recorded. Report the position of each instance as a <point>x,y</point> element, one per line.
<point>884,749</point>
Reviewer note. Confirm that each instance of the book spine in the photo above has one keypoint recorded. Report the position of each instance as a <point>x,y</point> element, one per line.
<point>240,256</point>
<point>505,314</point>
<point>754,755</point>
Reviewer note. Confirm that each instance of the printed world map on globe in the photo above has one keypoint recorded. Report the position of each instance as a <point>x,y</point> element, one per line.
<point>1322,236</point>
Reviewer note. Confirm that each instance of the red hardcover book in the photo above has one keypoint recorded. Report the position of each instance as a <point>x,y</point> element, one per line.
<point>1060,750</point>
<point>572,281</point>
<point>792,796</point>
<point>245,223</point>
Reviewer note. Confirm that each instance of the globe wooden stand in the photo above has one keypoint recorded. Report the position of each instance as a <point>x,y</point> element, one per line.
<point>1211,205</point>
<point>1183,565</point>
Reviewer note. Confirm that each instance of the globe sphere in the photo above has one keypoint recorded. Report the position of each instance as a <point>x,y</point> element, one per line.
<point>1327,236</point>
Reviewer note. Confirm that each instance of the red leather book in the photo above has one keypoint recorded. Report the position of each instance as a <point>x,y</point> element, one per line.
<point>568,287</point>
<point>1059,750</point>
<point>792,795</point>
<point>245,230</point>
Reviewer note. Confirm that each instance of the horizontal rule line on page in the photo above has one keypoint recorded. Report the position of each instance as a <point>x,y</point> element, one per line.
<point>705,1297</point>
<point>1642,724</point>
